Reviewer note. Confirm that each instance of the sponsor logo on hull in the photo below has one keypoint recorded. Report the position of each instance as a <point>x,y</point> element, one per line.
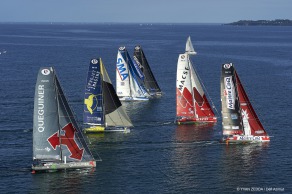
<point>122,69</point>
<point>229,93</point>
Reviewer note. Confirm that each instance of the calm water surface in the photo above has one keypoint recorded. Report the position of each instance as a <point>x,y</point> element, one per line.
<point>157,156</point>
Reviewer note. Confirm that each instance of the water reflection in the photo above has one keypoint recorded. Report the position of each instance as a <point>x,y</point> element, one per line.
<point>240,164</point>
<point>145,113</point>
<point>194,133</point>
<point>134,107</point>
<point>191,156</point>
<point>74,181</point>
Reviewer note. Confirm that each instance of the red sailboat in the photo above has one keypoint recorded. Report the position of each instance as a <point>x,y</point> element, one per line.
<point>192,105</point>
<point>240,122</point>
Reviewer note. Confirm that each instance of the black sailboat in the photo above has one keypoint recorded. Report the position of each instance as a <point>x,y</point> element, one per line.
<point>58,143</point>
<point>150,82</point>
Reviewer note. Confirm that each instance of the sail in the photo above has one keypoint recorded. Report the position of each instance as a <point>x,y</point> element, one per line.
<point>150,82</point>
<point>132,85</point>
<point>251,122</point>
<point>45,116</point>
<point>191,101</point>
<point>184,96</point>
<point>231,112</point>
<point>189,47</point>
<point>93,100</point>
<point>122,75</point>
<point>203,109</point>
<point>115,115</point>
<point>56,135</point>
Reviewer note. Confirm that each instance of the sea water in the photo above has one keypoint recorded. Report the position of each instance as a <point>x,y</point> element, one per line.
<point>157,156</point>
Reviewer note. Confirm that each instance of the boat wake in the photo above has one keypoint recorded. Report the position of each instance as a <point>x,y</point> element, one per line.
<point>154,123</point>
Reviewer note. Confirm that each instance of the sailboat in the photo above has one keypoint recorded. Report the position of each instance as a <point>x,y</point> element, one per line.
<point>129,78</point>
<point>240,122</point>
<point>192,106</point>
<point>58,143</point>
<point>102,108</point>
<point>150,82</point>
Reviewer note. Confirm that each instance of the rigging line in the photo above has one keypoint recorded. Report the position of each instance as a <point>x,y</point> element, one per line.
<point>57,94</point>
<point>205,90</point>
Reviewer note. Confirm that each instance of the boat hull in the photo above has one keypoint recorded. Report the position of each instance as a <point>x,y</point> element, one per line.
<point>62,166</point>
<point>95,129</point>
<point>155,94</point>
<point>100,129</point>
<point>129,98</point>
<point>243,139</point>
<point>193,121</point>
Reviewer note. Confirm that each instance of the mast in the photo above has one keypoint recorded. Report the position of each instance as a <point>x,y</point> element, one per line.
<point>192,82</point>
<point>190,51</point>
<point>57,98</point>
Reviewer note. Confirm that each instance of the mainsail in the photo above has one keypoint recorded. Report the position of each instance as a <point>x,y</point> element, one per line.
<point>191,102</point>
<point>102,107</point>
<point>238,114</point>
<point>231,112</point>
<point>56,136</point>
<point>129,78</point>
<point>150,82</point>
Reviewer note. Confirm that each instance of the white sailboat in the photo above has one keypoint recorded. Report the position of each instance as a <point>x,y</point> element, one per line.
<point>129,78</point>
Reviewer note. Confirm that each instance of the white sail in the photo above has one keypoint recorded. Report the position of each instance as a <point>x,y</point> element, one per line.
<point>246,125</point>
<point>129,77</point>
<point>189,47</point>
<point>195,82</point>
<point>122,77</point>
<point>137,90</point>
<point>185,105</point>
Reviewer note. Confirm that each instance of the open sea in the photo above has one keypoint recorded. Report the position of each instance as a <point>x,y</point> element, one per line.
<point>157,156</point>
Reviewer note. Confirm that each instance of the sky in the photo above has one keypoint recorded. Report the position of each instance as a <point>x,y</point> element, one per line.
<point>143,11</point>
